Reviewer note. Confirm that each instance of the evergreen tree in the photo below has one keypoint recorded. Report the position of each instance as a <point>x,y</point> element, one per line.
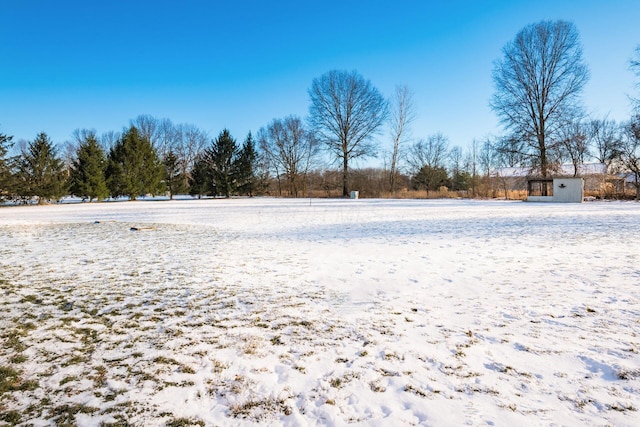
<point>430,178</point>
<point>134,168</point>
<point>88,170</point>
<point>41,172</point>
<point>222,158</point>
<point>247,182</point>
<point>200,177</point>
<point>6,176</point>
<point>174,178</point>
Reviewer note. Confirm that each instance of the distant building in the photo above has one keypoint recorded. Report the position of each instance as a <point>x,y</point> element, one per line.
<point>558,190</point>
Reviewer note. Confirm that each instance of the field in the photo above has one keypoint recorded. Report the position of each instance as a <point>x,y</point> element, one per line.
<point>330,312</point>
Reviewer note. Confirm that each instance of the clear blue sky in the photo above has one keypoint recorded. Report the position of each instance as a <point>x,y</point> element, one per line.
<point>238,64</point>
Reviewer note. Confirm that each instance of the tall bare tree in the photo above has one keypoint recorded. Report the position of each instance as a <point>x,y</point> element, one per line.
<point>109,139</point>
<point>573,140</point>
<point>427,160</point>
<point>346,111</point>
<point>402,113</point>
<point>635,67</point>
<point>147,127</point>
<point>290,148</point>
<point>190,141</point>
<point>167,138</point>
<point>537,87</point>
<point>630,155</point>
<point>605,138</point>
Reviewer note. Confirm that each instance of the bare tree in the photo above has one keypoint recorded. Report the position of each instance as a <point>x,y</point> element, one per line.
<point>573,140</point>
<point>460,176</point>
<point>537,86</point>
<point>604,137</point>
<point>289,148</point>
<point>427,159</point>
<point>189,142</point>
<point>147,127</point>
<point>401,115</point>
<point>630,155</point>
<point>635,67</point>
<point>345,112</point>
<point>167,138</point>
<point>109,139</point>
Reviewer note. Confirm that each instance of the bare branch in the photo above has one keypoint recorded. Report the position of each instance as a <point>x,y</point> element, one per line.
<point>345,112</point>
<point>538,83</point>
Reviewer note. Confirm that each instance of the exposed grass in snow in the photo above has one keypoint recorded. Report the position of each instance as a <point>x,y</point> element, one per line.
<point>273,311</point>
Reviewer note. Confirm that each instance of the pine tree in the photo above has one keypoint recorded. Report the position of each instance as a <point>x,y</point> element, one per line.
<point>134,168</point>
<point>247,182</point>
<point>41,171</point>
<point>200,178</point>
<point>174,178</point>
<point>222,159</point>
<point>88,170</point>
<point>6,176</point>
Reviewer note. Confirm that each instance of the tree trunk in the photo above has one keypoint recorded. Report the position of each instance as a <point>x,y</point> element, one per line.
<point>345,177</point>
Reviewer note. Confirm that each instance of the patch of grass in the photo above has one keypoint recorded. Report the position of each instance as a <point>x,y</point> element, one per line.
<point>65,415</point>
<point>624,374</point>
<point>18,358</point>
<point>89,336</point>
<point>258,410</point>
<point>187,369</point>
<point>31,298</point>
<point>411,389</point>
<point>29,385</point>
<point>165,360</point>
<point>12,340</point>
<point>11,417</point>
<point>100,376</point>
<point>75,360</point>
<point>377,387</point>
<point>9,379</point>
<point>184,422</point>
<point>68,379</point>
<point>219,366</point>
<point>276,340</point>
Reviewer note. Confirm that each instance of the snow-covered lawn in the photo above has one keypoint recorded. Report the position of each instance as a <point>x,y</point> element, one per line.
<point>282,312</point>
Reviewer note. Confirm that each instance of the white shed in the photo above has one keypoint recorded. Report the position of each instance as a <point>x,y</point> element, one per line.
<point>559,190</point>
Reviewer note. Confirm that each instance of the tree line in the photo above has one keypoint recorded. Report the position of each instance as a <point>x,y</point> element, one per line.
<point>538,83</point>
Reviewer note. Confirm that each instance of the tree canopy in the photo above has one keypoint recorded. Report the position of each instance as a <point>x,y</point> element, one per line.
<point>345,112</point>
<point>537,86</point>
<point>88,169</point>
<point>134,168</point>
<point>41,171</point>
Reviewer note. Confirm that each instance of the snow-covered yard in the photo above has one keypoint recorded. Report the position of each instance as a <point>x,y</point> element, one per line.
<point>282,312</point>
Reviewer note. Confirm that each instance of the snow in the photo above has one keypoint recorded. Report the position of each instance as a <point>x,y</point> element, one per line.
<point>329,312</point>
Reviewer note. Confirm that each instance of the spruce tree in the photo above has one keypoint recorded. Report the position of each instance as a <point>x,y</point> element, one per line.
<point>133,167</point>
<point>246,167</point>
<point>41,172</point>
<point>200,182</point>
<point>174,178</point>
<point>88,170</point>
<point>6,176</point>
<point>222,157</point>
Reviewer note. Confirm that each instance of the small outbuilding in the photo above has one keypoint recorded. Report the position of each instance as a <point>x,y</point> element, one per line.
<point>559,190</point>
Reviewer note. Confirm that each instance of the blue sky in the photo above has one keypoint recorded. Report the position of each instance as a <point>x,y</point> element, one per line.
<point>98,64</point>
